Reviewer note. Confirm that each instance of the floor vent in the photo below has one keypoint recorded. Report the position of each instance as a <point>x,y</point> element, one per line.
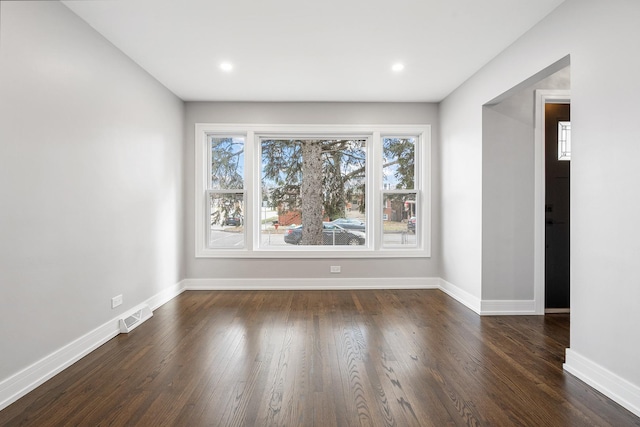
<point>131,322</point>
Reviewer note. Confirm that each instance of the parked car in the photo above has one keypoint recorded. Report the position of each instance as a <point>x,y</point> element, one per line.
<point>332,234</point>
<point>411,224</point>
<point>233,220</point>
<point>349,223</point>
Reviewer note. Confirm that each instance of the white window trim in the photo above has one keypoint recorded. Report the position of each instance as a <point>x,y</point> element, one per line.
<point>252,134</point>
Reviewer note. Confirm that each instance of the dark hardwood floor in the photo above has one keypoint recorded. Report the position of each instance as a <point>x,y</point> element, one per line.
<point>323,358</point>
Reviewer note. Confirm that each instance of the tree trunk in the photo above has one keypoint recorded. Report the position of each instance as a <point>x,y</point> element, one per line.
<point>335,203</point>
<point>311,193</point>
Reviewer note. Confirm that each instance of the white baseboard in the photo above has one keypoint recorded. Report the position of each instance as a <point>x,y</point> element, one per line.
<point>460,295</point>
<point>606,382</point>
<point>26,380</point>
<point>32,376</point>
<point>508,307</point>
<point>336,284</point>
<point>163,297</point>
<point>312,284</point>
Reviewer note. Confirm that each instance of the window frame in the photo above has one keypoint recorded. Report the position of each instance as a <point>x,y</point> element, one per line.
<point>253,133</point>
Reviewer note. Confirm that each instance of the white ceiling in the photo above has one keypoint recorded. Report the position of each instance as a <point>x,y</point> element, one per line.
<point>302,50</point>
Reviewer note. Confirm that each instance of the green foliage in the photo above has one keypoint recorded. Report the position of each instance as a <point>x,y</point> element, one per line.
<point>399,157</point>
<point>282,171</point>
<point>343,166</point>
<point>227,158</point>
<point>226,205</point>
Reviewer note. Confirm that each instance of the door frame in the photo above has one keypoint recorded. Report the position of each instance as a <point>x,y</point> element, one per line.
<point>542,97</point>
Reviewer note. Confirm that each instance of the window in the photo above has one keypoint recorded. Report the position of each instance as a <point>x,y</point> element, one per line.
<point>311,182</point>
<point>564,140</point>
<point>312,191</point>
<point>225,193</point>
<point>399,193</point>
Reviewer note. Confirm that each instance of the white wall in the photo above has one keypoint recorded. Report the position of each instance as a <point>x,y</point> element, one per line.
<point>508,177</point>
<point>90,182</point>
<point>507,207</point>
<point>461,192</point>
<point>307,113</point>
<point>601,37</point>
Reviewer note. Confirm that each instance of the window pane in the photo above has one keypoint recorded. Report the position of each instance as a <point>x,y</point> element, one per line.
<point>564,141</point>
<point>227,163</point>
<point>311,182</point>
<point>398,163</point>
<point>399,225</point>
<point>226,213</point>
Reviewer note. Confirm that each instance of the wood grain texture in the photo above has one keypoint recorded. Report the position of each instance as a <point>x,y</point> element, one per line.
<point>323,358</point>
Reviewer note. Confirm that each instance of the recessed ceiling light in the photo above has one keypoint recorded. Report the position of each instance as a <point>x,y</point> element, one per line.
<point>397,67</point>
<point>226,66</point>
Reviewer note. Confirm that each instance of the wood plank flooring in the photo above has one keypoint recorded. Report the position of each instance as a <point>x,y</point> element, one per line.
<point>323,358</point>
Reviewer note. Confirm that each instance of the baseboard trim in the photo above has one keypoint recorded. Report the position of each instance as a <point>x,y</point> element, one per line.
<point>26,380</point>
<point>312,284</point>
<point>606,382</point>
<point>166,295</point>
<point>461,296</point>
<point>35,375</point>
<point>453,291</point>
<point>508,308</point>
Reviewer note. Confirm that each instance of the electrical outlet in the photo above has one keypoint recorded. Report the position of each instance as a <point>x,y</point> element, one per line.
<point>116,301</point>
<point>335,269</point>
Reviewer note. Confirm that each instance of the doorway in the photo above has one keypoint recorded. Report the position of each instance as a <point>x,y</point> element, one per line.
<point>543,97</point>
<point>557,207</point>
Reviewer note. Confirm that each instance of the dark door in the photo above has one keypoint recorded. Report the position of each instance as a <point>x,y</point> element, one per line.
<point>557,209</point>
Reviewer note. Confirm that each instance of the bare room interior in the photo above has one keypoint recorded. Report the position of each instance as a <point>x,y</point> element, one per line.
<point>332,214</point>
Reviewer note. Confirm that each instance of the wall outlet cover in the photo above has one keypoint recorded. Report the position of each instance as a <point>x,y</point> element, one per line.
<point>116,301</point>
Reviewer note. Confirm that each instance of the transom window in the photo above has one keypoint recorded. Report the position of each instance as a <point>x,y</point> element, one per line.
<point>564,140</point>
<point>312,191</point>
